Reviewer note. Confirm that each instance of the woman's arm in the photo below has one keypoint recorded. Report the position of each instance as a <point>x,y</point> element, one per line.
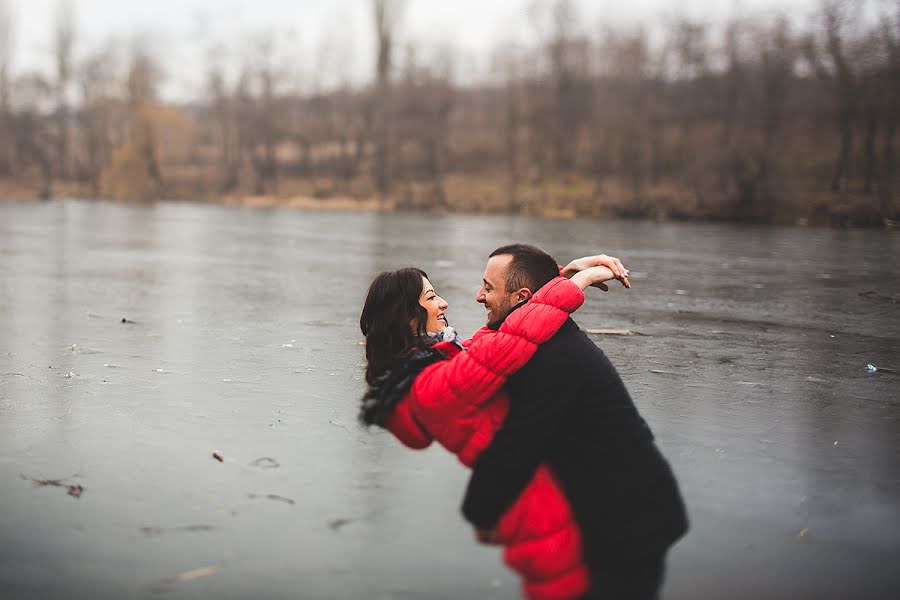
<point>599,260</point>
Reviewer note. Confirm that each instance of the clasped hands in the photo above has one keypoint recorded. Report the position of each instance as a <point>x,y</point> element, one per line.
<point>595,270</point>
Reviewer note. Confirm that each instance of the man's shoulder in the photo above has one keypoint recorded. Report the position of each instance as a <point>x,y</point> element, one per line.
<point>555,357</point>
<point>569,334</point>
<point>563,341</point>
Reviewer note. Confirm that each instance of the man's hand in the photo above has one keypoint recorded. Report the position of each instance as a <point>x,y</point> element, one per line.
<point>488,537</point>
<point>613,264</point>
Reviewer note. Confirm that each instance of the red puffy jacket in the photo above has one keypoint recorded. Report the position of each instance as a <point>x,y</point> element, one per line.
<point>459,403</point>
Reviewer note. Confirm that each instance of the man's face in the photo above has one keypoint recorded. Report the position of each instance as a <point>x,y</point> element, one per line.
<point>493,294</point>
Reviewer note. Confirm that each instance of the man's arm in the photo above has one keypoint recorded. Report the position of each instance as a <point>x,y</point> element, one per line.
<point>538,409</point>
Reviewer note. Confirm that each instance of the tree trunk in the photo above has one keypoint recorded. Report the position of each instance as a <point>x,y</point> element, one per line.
<point>887,175</point>
<point>383,111</point>
<point>839,181</point>
<point>512,149</point>
<point>871,154</point>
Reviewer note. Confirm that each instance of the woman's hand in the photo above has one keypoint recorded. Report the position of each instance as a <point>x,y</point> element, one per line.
<point>595,276</point>
<point>611,264</point>
<point>488,537</point>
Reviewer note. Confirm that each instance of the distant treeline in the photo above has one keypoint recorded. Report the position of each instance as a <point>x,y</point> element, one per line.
<point>755,119</point>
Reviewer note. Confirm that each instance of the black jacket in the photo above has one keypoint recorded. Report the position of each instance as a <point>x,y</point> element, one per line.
<point>570,409</point>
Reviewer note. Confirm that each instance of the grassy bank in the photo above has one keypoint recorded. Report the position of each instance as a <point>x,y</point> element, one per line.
<point>562,197</point>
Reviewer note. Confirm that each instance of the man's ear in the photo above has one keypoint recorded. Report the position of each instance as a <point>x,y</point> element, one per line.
<point>523,294</point>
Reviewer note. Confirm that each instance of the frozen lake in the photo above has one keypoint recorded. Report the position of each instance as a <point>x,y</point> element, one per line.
<point>240,336</point>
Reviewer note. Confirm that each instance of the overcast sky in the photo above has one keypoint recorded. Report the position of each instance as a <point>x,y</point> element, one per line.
<point>181,32</point>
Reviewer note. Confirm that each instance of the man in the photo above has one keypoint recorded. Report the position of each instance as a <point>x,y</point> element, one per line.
<point>570,410</point>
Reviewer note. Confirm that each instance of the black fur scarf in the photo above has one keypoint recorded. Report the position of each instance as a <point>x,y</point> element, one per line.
<point>390,387</point>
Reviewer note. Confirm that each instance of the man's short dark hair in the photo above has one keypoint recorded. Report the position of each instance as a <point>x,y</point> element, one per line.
<point>530,267</point>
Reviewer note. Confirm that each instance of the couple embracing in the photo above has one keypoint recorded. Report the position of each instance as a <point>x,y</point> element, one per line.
<point>566,475</point>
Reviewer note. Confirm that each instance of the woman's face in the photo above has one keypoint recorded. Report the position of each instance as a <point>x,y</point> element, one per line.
<point>435,306</point>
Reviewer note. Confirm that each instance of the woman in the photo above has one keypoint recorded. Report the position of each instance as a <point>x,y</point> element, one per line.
<point>425,384</point>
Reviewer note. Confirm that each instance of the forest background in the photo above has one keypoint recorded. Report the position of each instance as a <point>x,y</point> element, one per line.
<point>772,118</point>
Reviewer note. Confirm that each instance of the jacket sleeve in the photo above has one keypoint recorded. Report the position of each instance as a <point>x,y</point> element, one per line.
<point>483,331</point>
<point>540,403</point>
<point>403,424</point>
<point>473,377</point>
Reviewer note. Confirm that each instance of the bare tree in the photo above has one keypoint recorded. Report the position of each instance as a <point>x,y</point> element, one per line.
<point>871,60</point>
<point>423,101</point>
<point>257,96</point>
<point>511,73</point>
<point>689,49</point>
<point>143,80</point>
<point>226,128</point>
<point>97,79</point>
<point>733,98</point>
<point>387,15</point>
<point>348,128</point>
<point>776,55</point>
<point>626,72</point>
<point>133,170</point>
<point>569,56</point>
<point>6,55</point>
<point>438,99</point>
<point>339,118</point>
<point>64,39</point>
<point>890,26</point>
<point>30,133</point>
<point>827,54</point>
<point>245,112</point>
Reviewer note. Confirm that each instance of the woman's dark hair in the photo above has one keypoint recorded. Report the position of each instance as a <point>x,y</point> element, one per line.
<point>392,302</point>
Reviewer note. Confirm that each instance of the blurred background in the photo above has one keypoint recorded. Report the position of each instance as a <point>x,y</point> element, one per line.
<point>753,110</point>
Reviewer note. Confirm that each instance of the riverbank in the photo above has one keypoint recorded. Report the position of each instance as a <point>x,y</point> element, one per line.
<point>552,198</point>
